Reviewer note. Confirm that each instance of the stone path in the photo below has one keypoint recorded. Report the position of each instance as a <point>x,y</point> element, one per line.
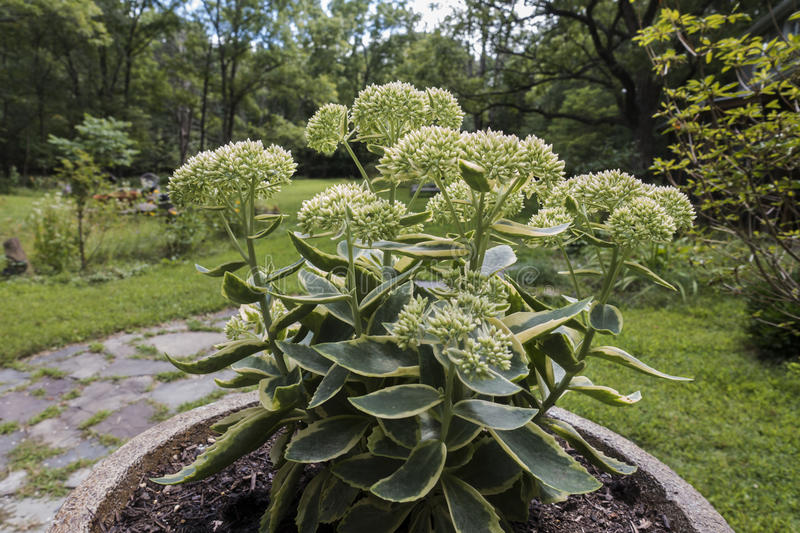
<point>62,411</point>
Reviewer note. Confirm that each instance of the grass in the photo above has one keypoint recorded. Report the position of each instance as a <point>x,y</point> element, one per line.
<point>49,315</point>
<point>731,432</point>
<point>49,412</point>
<point>7,428</point>
<point>96,418</point>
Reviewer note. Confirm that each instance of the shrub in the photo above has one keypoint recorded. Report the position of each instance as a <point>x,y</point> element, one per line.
<point>426,404</point>
<point>55,243</point>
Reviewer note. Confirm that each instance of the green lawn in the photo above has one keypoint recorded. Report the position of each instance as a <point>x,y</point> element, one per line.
<point>732,432</point>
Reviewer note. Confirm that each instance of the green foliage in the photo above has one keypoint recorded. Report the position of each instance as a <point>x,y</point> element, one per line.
<point>404,391</point>
<point>736,131</point>
<point>104,140</point>
<point>55,241</point>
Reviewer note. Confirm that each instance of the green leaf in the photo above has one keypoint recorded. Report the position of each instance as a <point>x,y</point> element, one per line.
<point>491,385</point>
<point>559,347</point>
<point>327,439</point>
<point>371,301</point>
<point>219,271</point>
<point>240,439</point>
<point>605,318</point>
<point>371,515</point>
<point>497,259</point>
<point>307,518</point>
<point>320,288</point>
<point>238,382</point>
<point>493,415</point>
<point>474,175</point>
<point>435,249</point>
<point>390,308</point>
<point>222,425</point>
<point>281,495</point>
<point>460,433</point>
<point>266,231</point>
<point>337,496</point>
<point>607,395</point>
<point>403,431</point>
<point>527,326</point>
<point>287,319</point>
<point>491,470</point>
<point>284,272</point>
<point>515,229</point>
<point>399,401</point>
<point>415,218</point>
<point>364,470</point>
<point>332,383</point>
<point>539,454</point>
<point>306,356</point>
<point>229,353</point>
<point>371,356</point>
<point>616,355</point>
<point>318,258</point>
<point>379,444</point>
<point>513,504</point>
<point>280,393</point>
<point>417,476</point>
<point>595,456</point>
<point>580,272</point>
<point>256,366</point>
<point>239,291</point>
<point>649,274</point>
<point>469,511</point>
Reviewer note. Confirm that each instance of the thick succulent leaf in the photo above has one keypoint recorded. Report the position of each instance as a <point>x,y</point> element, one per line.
<point>371,301</point>
<point>282,392</point>
<point>493,415</point>
<point>539,454</point>
<point>239,291</point>
<point>515,229</point>
<point>337,496</point>
<point>281,495</point>
<point>371,356</point>
<point>415,218</point>
<point>605,318</point>
<point>595,456</point>
<point>527,326</point>
<point>434,249</point>
<point>364,470</point>
<point>491,385</point>
<point>616,355</point>
<point>474,175</point>
<point>318,258</point>
<point>442,523</point>
<point>417,476</point>
<point>420,521</point>
<point>327,439</point>
<point>371,515</point>
<point>548,495</point>
<point>403,431</point>
<point>219,271</point>
<point>491,470</point>
<point>388,310</point>
<point>497,259</point>
<point>240,439</point>
<point>513,504</point>
<point>222,425</point>
<point>603,394</point>
<point>415,237</point>
<point>332,383</point>
<point>460,433</point>
<point>469,511</point>
<point>559,347</point>
<point>581,272</point>
<point>279,445</point>
<point>305,356</point>
<point>331,329</point>
<point>399,401</point>
<point>649,274</point>
<point>380,444</point>
<point>321,290</point>
<point>287,319</point>
<point>239,381</point>
<point>307,519</point>
<point>458,458</point>
<point>284,272</point>
<point>272,226</point>
<point>229,353</point>
<point>257,366</point>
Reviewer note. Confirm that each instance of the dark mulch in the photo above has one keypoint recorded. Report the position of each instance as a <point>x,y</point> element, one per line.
<point>233,500</point>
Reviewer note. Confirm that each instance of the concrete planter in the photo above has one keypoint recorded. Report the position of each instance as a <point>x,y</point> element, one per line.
<point>114,479</point>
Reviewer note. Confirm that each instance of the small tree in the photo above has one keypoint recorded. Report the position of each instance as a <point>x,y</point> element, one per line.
<point>737,144</point>
<point>101,145</point>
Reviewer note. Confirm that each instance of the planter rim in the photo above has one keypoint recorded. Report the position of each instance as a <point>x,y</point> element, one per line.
<point>114,479</point>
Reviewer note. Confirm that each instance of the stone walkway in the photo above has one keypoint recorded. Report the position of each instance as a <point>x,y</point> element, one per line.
<point>62,411</point>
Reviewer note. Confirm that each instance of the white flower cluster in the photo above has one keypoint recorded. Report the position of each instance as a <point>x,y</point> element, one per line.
<point>248,323</point>
<point>218,177</point>
<point>634,212</point>
<point>462,200</point>
<point>327,128</point>
<point>458,323</point>
<point>443,108</point>
<point>430,152</point>
<point>371,218</point>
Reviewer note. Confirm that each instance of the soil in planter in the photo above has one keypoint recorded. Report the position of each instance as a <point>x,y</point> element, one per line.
<point>233,501</point>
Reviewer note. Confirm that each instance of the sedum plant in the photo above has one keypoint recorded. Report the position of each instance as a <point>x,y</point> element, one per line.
<point>413,369</point>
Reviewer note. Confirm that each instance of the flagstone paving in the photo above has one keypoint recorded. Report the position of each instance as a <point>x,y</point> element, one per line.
<point>63,410</point>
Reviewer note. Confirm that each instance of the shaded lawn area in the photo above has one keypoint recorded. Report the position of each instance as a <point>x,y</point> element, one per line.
<point>732,433</point>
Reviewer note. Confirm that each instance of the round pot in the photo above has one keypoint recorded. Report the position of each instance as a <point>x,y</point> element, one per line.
<point>113,480</point>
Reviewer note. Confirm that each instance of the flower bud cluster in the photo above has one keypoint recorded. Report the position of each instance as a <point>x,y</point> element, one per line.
<point>248,323</point>
<point>443,108</point>
<point>409,326</point>
<point>429,152</point>
<point>327,128</point>
<point>549,217</point>
<point>217,177</point>
<point>371,218</point>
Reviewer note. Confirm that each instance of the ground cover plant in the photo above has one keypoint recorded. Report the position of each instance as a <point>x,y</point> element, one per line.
<point>405,391</point>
